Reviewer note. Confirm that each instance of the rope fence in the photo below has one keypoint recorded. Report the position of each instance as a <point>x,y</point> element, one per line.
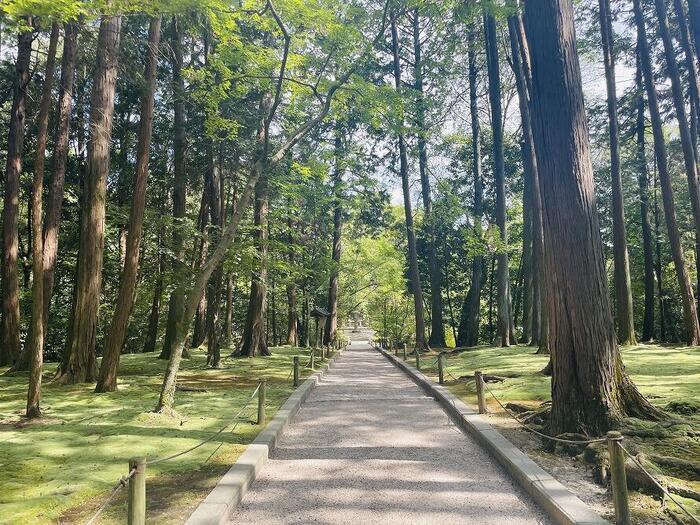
<point>136,478</point>
<point>617,452</point>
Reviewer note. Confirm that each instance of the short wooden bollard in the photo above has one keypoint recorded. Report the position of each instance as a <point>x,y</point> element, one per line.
<point>313,356</point>
<point>404,351</point>
<point>261,401</point>
<point>441,367</point>
<point>417,359</point>
<point>479,381</point>
<point>618,478</point>
<point>137,492</point>
<point>396,351</point>
<point>296,370</point>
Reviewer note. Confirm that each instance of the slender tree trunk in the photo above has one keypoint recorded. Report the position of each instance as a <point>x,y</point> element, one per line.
<point>154,316</point>
<point>468,333</point>
<point>292,315</point>
<point>590,388</point>
<point>648,330</point>
<point>79,364</point>
<point>691,67</point>
<point>502,278</point>
<point>686,288</point>
<point>177,300</point>
<point>54,202</point>
<point>421,342</point>
<point>228,316</point>
<point>214,294</point>
<point>684,130</point>
<point>107,379</point>
<point>10,344</point>
<point>623,286</point>
<point>330,333</point>
<point>658,266</point>
<point>437,325</point>
<point>694,22</point>
<point>36,332</point>
<point>199,333</point>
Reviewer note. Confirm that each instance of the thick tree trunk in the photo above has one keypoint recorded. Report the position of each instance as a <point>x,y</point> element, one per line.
<point>254,340</point>
<point>421,342</point>
<point>648,329</point>
<point>10,343</point>
<point>199,332</point>
<point>107,379</point>
<point>330,332</point>
<point>437,324</point>
<point>503,333</point>
<point>177,300</point>
<point>623,286</point>
<point>35,346</point>
<point>686,288</point>
<point>468,333</point>
<point>78,364</point>
<point>694,20</point>
<point>590,390</point>
<point>254,337</point>
<point>687,144</point>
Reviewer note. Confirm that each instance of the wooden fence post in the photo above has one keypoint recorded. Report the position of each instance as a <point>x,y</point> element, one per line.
<point>313,356</point>
<point>261,401</point>
<point>404,351</point>
<point>441,366</point>
<point>618,478</point>
<point>417,359</point>
<point>296,370</point>
<point>479,380</point>
<point>137,492</point>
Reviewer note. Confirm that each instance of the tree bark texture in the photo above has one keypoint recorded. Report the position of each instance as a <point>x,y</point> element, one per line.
<point>78,364</point>
<point>590,389</point>
<point>10,338</point>
<point>107,379</point>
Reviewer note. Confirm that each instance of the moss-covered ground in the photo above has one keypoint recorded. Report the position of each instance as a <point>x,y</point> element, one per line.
<point>62,467</point>
<point>668,375</point>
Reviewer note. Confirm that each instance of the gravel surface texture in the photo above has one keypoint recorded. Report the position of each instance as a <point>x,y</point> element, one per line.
<point>368,447</point>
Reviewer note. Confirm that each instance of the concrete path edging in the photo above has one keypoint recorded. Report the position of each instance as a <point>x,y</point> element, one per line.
<point>562,506</point>
<point>232,487</point>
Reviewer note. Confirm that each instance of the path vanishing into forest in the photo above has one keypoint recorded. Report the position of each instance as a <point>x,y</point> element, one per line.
<point>369,447</point>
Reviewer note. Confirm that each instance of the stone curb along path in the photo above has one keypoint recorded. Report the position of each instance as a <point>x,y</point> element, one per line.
<point>228,493</point>
<point>562,507</point>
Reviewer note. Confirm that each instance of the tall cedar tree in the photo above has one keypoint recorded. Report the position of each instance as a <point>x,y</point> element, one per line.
<point>621,263</point>
<point>504,335</point>
<point>468,332</point>
<point>10,344</point>
<point>36,331</point>
<point>107,379</point>
<point>330,333</point>
<point>686,288</point>
<point>590,389</point>
<point>78,363</point>
<point>414,274</point>
<point>437,324</point>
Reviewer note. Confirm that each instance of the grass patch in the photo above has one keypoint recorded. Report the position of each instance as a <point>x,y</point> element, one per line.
<point>61,468</point>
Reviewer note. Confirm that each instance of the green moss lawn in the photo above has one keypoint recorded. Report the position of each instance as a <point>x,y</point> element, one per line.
<point>62,467</point>
<point>668,375</point>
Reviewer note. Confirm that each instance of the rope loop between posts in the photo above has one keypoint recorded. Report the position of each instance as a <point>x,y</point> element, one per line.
<point>541,434</point>
<point>660,486</point>
<point>120,484</point>
<point>207,440</point>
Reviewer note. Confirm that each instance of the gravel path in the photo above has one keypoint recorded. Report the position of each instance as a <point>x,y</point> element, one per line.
<point>368,447</point>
